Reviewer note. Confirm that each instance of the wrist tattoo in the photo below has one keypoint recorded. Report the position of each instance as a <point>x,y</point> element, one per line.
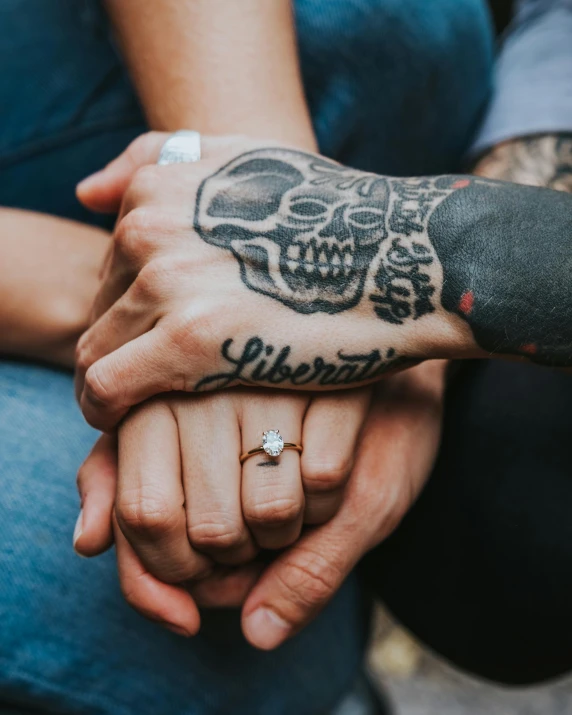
<point>320,237</point>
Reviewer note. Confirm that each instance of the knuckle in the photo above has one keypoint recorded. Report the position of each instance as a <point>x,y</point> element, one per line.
<point>222,534</point>
<point>273,512</point>
<point>192,332</point>
<point>81,477</point>
<point>309,579</point>
<point>99,386</point>
<point>151,516</point>
<point>154,278</point>
<point>132,233</point>
<point>138,145</point>
<point>145,182</point>
<point>324,473</point>
<point>131,595</point>
<point>83,354</point>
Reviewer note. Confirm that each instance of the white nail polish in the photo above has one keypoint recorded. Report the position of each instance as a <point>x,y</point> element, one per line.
<point>77,532</point>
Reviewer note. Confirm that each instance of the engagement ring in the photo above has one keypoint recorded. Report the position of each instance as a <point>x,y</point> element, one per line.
<point>273,444</point>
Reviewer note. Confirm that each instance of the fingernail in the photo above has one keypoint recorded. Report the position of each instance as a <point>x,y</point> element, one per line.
<point>78,531</point>
<point>88,181</point>
<point>178,630</point>
<point>265,629</point>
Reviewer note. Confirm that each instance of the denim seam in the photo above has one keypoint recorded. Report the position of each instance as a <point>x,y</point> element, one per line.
<point>106,706</point>
<point>68,136</point>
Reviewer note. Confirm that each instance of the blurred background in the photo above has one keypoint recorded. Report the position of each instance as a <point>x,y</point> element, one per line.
<point>418,683</point>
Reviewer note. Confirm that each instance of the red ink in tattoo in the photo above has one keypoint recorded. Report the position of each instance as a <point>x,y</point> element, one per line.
<point>529,348</point>
<point>467,302</point>
<point>461,184</point>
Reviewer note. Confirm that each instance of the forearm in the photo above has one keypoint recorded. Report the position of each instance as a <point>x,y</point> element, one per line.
<point>218,66</point>
<point>48,280</point>
<point>540,160</point>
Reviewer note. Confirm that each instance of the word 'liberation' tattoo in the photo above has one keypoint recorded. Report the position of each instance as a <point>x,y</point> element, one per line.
<point>259,363</point>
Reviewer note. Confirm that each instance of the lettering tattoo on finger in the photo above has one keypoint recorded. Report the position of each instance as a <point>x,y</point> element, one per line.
<point>260,363</point>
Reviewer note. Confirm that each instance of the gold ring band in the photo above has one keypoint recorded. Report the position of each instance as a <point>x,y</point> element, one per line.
<point>261,450</point>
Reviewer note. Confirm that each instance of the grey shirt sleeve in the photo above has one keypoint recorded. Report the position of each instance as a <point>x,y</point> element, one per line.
<point>533,85</point>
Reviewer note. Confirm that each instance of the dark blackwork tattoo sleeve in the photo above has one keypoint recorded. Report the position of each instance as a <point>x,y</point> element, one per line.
<point>506,252</point>
<point>320,237</point>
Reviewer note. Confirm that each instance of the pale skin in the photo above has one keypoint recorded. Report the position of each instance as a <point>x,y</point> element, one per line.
<point>178,36</point>
<point>46,296</point>
<point>270,79</point>
<point>161,44</point>
<point>277,586</point>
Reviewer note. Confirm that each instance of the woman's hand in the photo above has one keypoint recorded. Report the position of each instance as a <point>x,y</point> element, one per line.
<point>182,500</point>
<point>395,455</point>
<point>50,276</point>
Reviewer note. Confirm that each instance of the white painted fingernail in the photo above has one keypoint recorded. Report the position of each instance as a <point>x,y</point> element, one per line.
<point>78,531</point>
<point>265,629</point>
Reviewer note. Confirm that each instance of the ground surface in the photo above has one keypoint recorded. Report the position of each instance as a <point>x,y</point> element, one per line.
<point>420,684</point>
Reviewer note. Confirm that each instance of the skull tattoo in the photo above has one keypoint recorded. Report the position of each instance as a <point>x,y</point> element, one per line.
<point>305,230</point>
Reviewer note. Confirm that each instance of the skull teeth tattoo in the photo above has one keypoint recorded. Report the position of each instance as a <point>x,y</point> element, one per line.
<point>309,232</point>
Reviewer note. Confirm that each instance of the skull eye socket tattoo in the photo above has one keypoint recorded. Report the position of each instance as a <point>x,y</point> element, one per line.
<point>313,234</point>
<point>304,230</point>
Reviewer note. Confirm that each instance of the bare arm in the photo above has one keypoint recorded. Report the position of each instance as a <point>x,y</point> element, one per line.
<point>48,281</point>
<point>218,66</point>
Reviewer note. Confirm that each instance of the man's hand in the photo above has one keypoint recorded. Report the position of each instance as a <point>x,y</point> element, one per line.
<point>297,272</point>
<point>398,447</point>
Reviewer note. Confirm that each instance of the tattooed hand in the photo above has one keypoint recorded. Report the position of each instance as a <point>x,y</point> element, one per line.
<point>269,266</point>
<point>542,160</point>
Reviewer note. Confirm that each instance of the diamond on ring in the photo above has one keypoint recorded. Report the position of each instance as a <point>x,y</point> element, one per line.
<point>272,443</point>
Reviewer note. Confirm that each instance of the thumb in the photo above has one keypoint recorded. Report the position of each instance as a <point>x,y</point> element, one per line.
<point>295,587</point>
<point>96,482</point>
<point>103,191</point>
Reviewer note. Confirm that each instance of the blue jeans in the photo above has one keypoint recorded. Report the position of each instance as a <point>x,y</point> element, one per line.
<point>394,86</point>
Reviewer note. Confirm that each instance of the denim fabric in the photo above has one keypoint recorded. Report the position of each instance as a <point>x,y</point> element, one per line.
<point>396,86</point>
<point>533,75</point>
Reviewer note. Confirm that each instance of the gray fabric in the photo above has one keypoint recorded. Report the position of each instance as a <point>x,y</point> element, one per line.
<point>533,86</point>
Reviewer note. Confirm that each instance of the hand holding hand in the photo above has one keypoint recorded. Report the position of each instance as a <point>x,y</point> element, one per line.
<point>183,504</point>
<point>396,453</point>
